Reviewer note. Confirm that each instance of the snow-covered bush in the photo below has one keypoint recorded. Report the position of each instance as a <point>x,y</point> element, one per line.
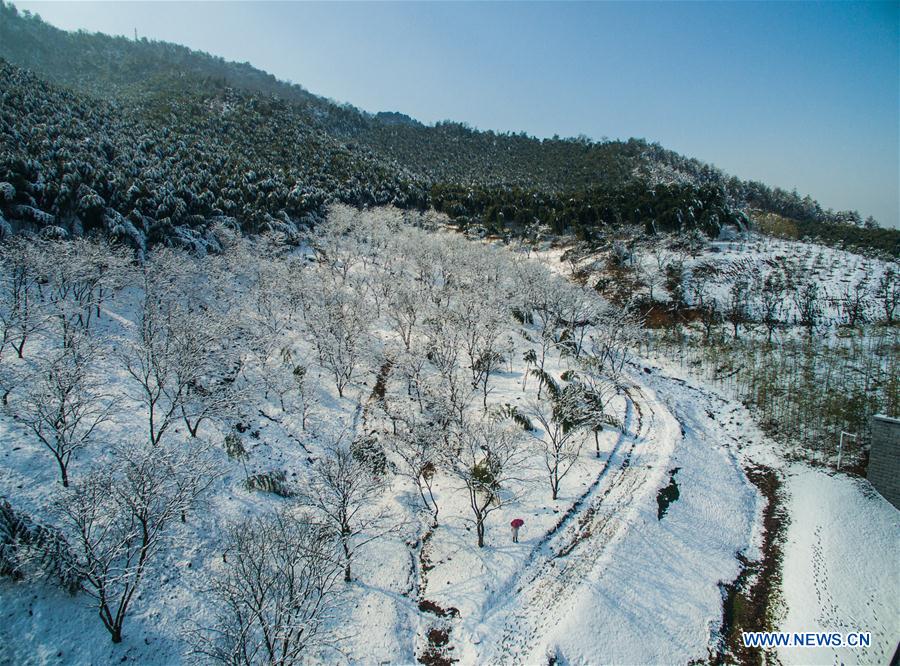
<point>29,548</point>
<point>270,482</point>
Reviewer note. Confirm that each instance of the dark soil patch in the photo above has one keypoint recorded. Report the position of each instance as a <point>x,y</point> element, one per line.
<point>437,651</point>
<point>428,606</point>
<point>749,600</point>
<point>438,637</point>
<point>665,315</point>
<point>434,657</point>
<point>380,388</point>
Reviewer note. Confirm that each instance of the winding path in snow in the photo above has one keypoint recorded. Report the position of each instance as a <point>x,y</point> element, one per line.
<point>613,568</point>
<point>562,560</point>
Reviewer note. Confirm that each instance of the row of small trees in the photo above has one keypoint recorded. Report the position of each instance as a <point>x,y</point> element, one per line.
<point>803,391</point>
<point>774,287</point>
<point>767,300</point>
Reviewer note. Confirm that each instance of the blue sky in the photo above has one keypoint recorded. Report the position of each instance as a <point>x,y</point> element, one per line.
<point>803,95</point>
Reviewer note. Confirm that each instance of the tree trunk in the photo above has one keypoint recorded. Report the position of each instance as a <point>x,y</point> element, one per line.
<point>347,576</point>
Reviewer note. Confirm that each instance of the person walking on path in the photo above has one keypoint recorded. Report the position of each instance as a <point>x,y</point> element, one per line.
<point>516,524</point>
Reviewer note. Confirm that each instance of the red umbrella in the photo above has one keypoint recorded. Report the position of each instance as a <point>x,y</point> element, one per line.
<point>517,522</point>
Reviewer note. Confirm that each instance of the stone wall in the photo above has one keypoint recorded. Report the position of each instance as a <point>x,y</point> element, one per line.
<point>884,458</point>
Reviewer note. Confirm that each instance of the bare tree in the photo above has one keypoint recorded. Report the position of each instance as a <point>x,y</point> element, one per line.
<point>542,304</point>
<point>338,329</point>
<point>418,444</point>
<point>21,312</point>
<point>176,352</point>
<point>595,395</point>
<point>119,517</point>
<point>411,366</point>
<point>266,313</point>
<point>77,275</point>
<point>579,308</point>
<point>345,493</point>
<point>276,598</point>
<point>479,321</point>
<point>853,302</point>
<point>212,387</point>
<point>808,303</point>
<point>488,362</point>
<point>337,241</point>
<point>649,267</point>
<point>616,329</point>
<point>485,458</point>
<point>65,402</point>
<point>737,312</point>
<point>448,398</point>
<point>561,435</point>
<point>304,397</point>
<point>658,250</point>
<point>888,293</point>
<point>211,396</point>
<point>404,309</point>
<point>771,295</point>
<point>444,342</point>
<point>151,361</point>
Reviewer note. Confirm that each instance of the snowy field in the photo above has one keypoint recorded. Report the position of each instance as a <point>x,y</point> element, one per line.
<point>709,271</point>
<point>836,272</point>
<point>604,573</point>
<point>841,567</point>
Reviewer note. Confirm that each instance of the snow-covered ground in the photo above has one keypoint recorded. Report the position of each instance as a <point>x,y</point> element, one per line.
<point>835,272</point>
<point>709,272</point>
<point>600,575</point>
<point>841,554</point>
<point>632,587</point>
<point>841,566</point>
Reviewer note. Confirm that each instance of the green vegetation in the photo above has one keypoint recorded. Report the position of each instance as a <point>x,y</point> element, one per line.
<point>665,496</point>
<point>803,391</point>
<point>153,142</point>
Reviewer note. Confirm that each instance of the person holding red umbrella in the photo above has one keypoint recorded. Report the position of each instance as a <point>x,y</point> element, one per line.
<point>516,524</point>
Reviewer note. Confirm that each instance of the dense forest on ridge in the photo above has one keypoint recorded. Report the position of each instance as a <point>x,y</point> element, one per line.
<point>150,141</point>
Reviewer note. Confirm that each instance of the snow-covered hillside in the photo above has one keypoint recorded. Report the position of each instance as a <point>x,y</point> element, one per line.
<point>242,433</point>
<point>840,275</point>
<point>770,273</point>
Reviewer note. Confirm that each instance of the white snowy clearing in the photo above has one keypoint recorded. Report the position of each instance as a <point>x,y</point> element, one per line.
<point>409,349</point>
<point>841,567</point>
